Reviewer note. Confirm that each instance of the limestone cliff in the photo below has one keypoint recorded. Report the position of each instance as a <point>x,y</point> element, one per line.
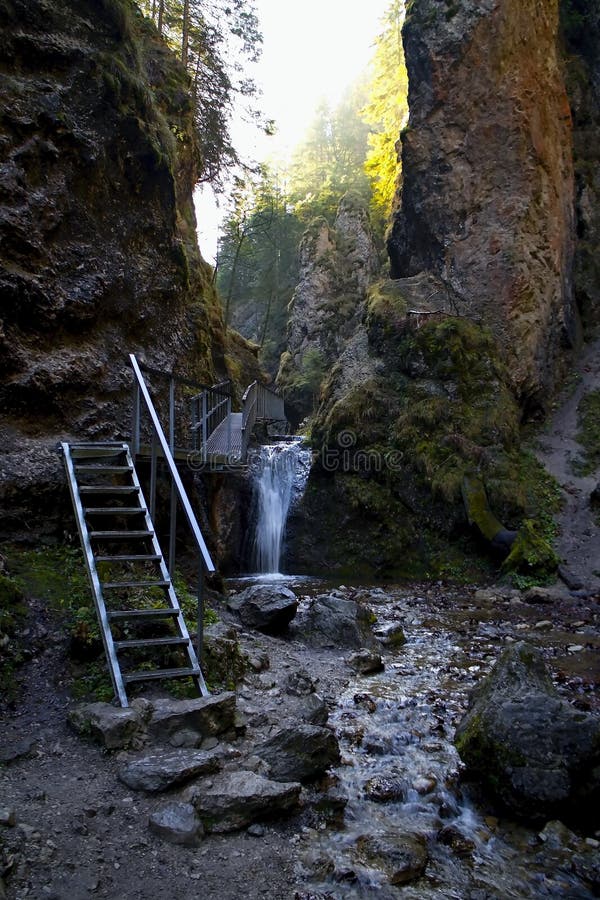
<point>487,201</point>
<point>336,266</point>
<point>98,251</point>
<point>471,334</point>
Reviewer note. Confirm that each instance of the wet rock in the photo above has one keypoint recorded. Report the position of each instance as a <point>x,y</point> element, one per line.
<point>234,800</point>
<point>378,744</point>
<point>403,858</point>
<point>177,823</point>
<point>206,716</point>
<point>299,684</point>
<point>530,748</point>
<point>365,701</point>
<point>424,784</point>
<point>332,621</point>
<point>300,753</point>
<point>160,771</point>
<point>451,836</point>
<point>267,608</point>
<point>111,726</point>
<point>390,634</point>
<point>385,789</point>
<point>365,662</point>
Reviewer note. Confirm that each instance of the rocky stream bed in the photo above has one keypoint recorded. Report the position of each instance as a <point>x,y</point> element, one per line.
<point>388,814</point>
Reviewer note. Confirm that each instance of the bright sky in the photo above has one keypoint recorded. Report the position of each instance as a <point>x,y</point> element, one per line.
<point>312,49</point>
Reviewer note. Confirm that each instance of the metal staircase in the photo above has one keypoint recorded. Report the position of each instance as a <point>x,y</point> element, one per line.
<point>137,607</point>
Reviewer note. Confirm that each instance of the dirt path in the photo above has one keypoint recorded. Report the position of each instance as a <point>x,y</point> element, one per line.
<point>578,541</point>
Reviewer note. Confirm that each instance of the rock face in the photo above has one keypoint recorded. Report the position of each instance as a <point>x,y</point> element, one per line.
<point>487,201</point>
<point>538,755</point>
<point>581,34</point>
<point>267,608</point>
<point>98,255</point>
<point>336,266</point>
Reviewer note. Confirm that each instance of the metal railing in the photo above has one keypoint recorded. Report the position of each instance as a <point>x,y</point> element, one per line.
<point>178,491</point>
<point>210,408</point>
<point>259,404</point>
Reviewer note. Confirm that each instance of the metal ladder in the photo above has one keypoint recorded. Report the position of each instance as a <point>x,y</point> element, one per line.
<point>131,584</point>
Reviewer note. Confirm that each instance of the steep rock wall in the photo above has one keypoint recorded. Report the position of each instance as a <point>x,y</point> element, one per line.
<point>335,268</point>
<point>580,21</point>
<point>98,251</point>
<point>487,201</point>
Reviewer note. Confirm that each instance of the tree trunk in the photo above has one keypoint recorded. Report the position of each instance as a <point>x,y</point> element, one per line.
<point>185,32</point>
<point>232,277</point>
<point>161,14</point>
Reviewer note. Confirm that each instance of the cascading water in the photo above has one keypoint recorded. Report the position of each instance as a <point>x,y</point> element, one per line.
<point>280,475</point>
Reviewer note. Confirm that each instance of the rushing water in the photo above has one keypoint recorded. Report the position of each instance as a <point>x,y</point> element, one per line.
<point>280,475</point>
<point>400,778</point>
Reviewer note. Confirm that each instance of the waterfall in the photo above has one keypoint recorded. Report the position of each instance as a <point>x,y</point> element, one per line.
<point>280,472</point>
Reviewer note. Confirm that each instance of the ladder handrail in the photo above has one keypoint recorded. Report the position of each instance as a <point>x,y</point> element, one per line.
<point>168,457</point>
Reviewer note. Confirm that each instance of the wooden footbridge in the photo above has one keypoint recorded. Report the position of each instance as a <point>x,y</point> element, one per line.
<point>143,629</point>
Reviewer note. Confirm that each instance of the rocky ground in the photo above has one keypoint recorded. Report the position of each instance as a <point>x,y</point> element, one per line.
<point>70,827</point>
<point>579,527</point>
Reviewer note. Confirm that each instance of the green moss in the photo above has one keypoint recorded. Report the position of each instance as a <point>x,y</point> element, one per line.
<point>588,433</point>
<point>478,509</point>
<point>531,554</point>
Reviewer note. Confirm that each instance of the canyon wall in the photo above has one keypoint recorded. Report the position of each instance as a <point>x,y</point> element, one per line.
<point>487,199</point>
<point>98,248</point>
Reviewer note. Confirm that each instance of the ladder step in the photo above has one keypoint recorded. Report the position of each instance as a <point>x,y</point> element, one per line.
<point>143,614</point>
<point>119,535</point>
<point>152,642</point>
<point>115,585</point>
<point>96,451</point>
<point>108,489</point>
<point>152,674</point>
<point>135,557</point>
<point>102,468</point>
<point>115,510</point>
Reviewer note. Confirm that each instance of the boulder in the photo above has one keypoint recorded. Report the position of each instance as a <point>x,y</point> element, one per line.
<point>160,771</point>
<point>299,684</point>
<point>267,608</point>
<point>313,710</point>
<point>111,726</point>
<point>365,662</point>
<point>222,658</point>
<point>390,634</point>
<point>332,621</point>
<point>403,858</point>
<point>206,716</point>
<point>177,823</point>
<point>234,800</point>
<point>300,753</point>
<point>534,752</point>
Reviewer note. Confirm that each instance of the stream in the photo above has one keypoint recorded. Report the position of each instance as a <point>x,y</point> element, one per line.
<point>406,807</point>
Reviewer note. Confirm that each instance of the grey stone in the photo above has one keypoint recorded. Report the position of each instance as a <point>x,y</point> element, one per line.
<point>314,710</point>
<point>572,580</point>
<point>234,800</point>
<point>404,858</point>
<point>299,684</point>
<point>365,662</point>
<point>300,752</point>
<point>204,715</point>
<point>177,823</point>
<point>332,621</point>
<point>111,726</point>
<point>267,608</point>
<point>160,771</point>
<point>8,816</point>
<point>537,754</point>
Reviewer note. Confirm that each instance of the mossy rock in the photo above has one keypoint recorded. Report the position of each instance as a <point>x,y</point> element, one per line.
<point>531,554</point>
